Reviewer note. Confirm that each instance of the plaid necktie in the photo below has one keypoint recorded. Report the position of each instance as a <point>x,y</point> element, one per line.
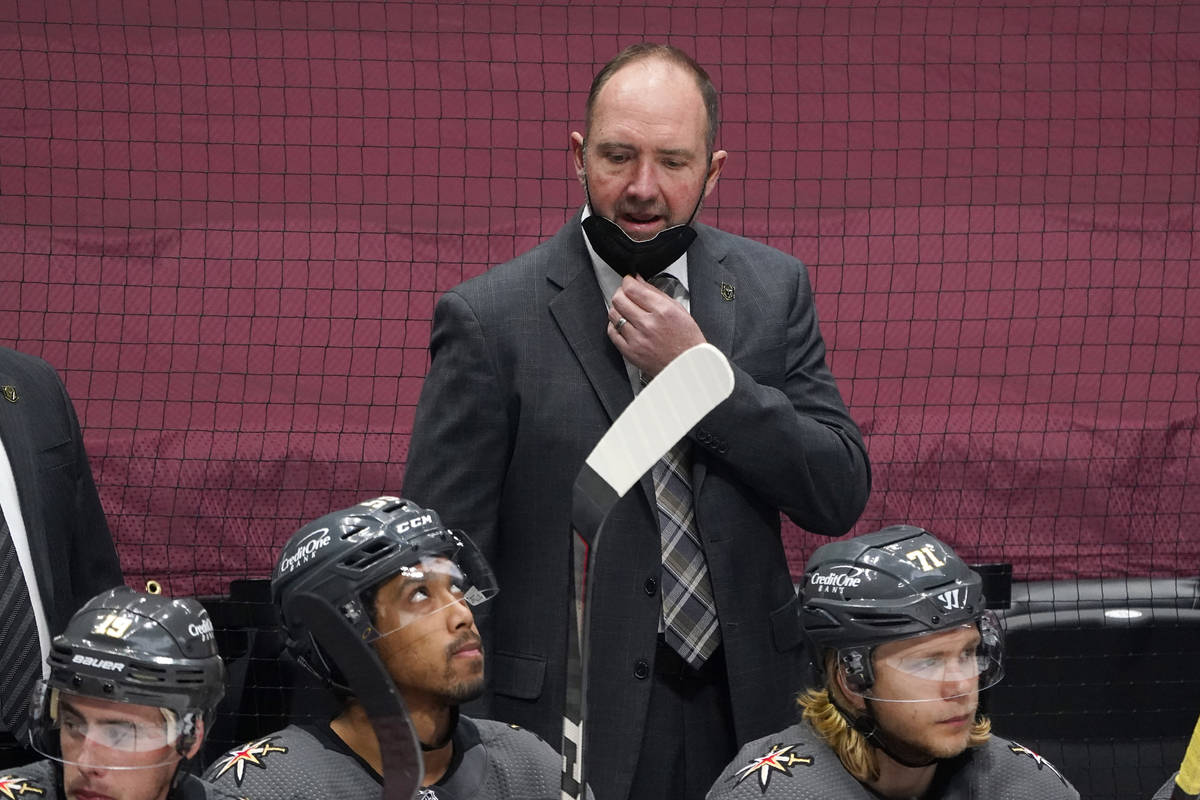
<point>18,640</point>
<point>689,610</point>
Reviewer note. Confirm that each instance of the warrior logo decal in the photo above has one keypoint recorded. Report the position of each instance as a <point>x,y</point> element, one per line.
<point>1018,749</point>
<point>780,758</point>
<point>252,753</point>
<point>15,787</point>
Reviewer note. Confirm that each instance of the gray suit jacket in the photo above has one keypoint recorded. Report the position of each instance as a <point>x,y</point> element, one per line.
<point>72,549</point>
<point>523,383</point>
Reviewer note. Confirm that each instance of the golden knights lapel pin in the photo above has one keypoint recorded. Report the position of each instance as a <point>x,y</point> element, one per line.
<point>10,393</point>
<point>727,292</point>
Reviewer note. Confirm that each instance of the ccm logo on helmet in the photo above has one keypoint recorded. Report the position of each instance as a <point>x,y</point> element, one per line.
<point>306,550</point>
<point>98,663</point>
<point>837,582</point>
<point>415,522</point>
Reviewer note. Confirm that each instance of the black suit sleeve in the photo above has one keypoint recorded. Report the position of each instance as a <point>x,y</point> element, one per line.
<point>72,546</point>
<point>461,442</point>
<point>96,566</point>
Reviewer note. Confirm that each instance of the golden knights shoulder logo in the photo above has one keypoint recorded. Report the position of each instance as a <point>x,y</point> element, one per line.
<point>253,753</point>
<point>13,787</point>
<point>1018,749</point>
<point>779,759</point>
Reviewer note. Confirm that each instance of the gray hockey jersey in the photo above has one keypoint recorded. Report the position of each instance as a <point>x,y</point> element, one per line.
<point>797,764</point>
<point>1167,789</point>
<point>492,761</point>
<point>43,780</point>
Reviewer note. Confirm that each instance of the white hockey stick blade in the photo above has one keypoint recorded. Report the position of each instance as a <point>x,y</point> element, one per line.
<point>662,413</point>
<point>687,389</point>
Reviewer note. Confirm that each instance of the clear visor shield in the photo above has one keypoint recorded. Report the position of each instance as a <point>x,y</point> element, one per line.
<point>936,666</point>
<point>102,734</point>
<point>432,585</point>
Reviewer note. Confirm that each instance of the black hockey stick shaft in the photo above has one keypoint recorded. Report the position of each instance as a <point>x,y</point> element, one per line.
<point>366,675</point>
<point>685,391</point>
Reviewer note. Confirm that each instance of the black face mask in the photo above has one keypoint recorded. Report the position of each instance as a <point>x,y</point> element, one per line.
<point>629,257</point>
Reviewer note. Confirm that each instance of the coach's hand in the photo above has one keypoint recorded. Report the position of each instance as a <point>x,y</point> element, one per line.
<point>649,327</point>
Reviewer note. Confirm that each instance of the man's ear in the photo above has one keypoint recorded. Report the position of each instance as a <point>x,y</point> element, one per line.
<point>577,144</point>
<point>715,165</point>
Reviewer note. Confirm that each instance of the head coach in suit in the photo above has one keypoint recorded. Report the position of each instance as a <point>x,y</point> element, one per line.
<point>696,645</point>
<point>55,548</point>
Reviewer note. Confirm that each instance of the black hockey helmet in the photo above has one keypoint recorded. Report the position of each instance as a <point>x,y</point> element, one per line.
<point>898,583</point>
<point>130,647</point>
<point>343,556</point>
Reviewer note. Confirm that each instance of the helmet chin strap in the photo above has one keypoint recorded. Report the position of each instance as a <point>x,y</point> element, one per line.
<point>868,726</point>
<point>439,744</point>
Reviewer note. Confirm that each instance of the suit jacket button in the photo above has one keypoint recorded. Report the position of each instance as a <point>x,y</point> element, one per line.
<point>641,670</point>
<point>651,585</point>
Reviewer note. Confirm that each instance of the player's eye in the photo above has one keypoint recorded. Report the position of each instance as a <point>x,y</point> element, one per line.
<point>116,734</point>
<point>73,725</point>
<point>926,666</point>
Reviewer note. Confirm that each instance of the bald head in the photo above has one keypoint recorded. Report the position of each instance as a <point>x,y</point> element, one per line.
<point>647,51</point>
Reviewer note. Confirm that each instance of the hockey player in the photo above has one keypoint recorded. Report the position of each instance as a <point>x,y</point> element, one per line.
<point>904,645</point>
<point>407,584</point>
<point>133,681</point>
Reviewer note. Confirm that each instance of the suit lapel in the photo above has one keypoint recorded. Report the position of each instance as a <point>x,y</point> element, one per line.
<point>579,311</point>
<point>713,291</point>
<point>14,421</point>
<point>713,294</point>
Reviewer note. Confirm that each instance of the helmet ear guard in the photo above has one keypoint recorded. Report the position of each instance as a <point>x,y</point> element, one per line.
<point>854,664</point>
<point>311,656</point>
<point>190,728</point>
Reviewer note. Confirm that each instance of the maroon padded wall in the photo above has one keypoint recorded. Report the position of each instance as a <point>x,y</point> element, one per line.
<point>227,222</point>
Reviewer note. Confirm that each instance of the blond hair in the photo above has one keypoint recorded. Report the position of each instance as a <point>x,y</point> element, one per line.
<point>827,711</point>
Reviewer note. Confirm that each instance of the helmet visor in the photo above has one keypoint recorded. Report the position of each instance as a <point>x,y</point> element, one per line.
<point>936,666</point>
<point>432,585</point>
<point>89,732</point>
